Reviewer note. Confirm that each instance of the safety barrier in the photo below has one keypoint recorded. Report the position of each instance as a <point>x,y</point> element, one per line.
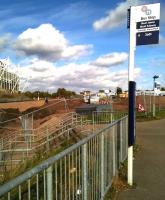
<point>83,171</point>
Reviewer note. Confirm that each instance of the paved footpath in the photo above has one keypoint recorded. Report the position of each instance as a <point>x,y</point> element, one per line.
<point>149,164</point>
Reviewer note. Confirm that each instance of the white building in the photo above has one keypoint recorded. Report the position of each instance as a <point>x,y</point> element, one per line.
<point>94,99</point>
<point>8,80</point>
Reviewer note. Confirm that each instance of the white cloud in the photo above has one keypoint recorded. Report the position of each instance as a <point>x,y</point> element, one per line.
<point>48,43</point>
<point>162,40</point>
<point>4,41</point>
<point>112,59</point>
<point>162,14</point>
<point>115,17</point>
<point>76,51</point>
<point>44,75</point>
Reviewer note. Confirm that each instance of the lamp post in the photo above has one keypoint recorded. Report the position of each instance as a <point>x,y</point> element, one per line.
<point>154,77</point>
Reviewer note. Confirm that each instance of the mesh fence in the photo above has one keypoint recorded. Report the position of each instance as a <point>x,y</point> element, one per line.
<point>150,102</point>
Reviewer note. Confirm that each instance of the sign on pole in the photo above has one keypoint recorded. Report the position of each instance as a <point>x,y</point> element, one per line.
<point>143,22</point>
<point>147,24</point>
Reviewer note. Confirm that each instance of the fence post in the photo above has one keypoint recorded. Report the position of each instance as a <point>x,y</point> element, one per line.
<point>84,171</point>
<point>102,164</point>
<point>111,117</point>
<point>76,119</point>
<point>27,148</point>
<point>72,119</point>
<point>153,106</point>
<point>32,125</point>
<point>126,130</point>
<point>81,121</point>
<point>49,183</point>
<point>150,104</point>
<point>30,137</point>
<point>47,139</point>
<point>1,148</point>
<point>121,140</point>
<point>114,152</point>
<point>93,120</point>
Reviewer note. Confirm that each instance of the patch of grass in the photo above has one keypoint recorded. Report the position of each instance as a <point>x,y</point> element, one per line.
<point>140,117</point>
<point>39,156</point>
<point>160,114</point>
<point>120,181</point>
<point>136,149</point>
<point>116,186</point>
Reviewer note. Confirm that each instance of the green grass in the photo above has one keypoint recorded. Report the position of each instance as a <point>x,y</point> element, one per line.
<point>140,117</point>
<point>120,182</point>
<point>39,156</point>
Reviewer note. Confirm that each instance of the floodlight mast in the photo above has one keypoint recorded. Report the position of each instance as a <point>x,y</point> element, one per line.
<point>155,77</point>
<point>154,90</point>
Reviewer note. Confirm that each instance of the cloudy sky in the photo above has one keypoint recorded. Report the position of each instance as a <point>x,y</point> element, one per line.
<point>76,44</point>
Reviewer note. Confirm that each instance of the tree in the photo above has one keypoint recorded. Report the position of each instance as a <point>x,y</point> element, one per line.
<point>162,89</point>
<point>28,94</point>
<point>118,90</point>
<point>62,92</point>
<point>35,94</point>
<point>101,91</point>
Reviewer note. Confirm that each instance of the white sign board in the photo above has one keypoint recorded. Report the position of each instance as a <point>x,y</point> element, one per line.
<point>147,12</point>
<point>147,18</point>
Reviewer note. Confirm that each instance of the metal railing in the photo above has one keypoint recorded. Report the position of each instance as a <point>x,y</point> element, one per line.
<point>84,171</point>
<point>28,120</point>
<point>24,142</point>
<point>100,118</point>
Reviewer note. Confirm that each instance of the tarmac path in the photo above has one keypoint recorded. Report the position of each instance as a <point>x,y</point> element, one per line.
<point>149,163</point>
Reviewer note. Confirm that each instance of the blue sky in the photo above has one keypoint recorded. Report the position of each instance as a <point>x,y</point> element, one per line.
<point>76,44</point>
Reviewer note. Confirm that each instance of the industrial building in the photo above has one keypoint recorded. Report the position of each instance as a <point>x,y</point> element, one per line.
<point>9,82</point>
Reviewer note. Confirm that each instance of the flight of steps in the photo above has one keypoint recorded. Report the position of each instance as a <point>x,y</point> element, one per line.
<point>25,146</point>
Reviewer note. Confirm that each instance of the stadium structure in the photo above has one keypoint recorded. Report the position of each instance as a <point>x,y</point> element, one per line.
<point>9,82</point>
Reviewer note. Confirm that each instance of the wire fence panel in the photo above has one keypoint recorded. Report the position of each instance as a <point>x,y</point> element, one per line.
<point>83,171</point>
<point>150,102</point>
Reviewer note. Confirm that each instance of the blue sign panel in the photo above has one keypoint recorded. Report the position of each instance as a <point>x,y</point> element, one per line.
<point>147,24</point>
<point>149,37</point>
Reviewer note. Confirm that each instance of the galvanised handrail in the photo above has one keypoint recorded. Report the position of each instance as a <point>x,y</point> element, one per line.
<point>18,133</point>
<point>30,113</point>
<point>38,142</point>
<point>47,164</point>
